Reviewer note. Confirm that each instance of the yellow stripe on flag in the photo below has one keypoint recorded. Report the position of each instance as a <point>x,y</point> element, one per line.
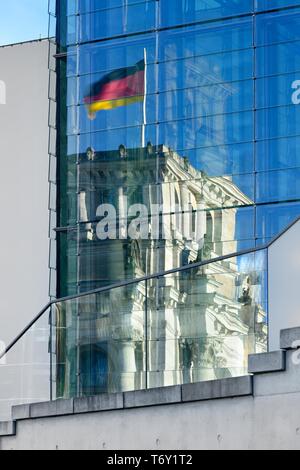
<point>112,104</point>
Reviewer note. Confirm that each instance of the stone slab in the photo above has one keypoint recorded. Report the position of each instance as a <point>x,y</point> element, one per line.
<point>224,388</point>
<point>52,408</point>
<point>152,397</point>
<point>20,412</point>
<point>290,338</point>
<point>103,402</point>
<point>7,428</point>
<point>267,362</point>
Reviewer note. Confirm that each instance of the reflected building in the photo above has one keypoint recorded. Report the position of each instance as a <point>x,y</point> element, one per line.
<point>188,326</point>
<point>223,166</point>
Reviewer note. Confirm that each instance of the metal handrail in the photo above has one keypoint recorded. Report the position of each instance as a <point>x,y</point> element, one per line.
<point>147,278</point>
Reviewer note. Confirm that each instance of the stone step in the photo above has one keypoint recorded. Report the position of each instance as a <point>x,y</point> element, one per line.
<point>290,338</point>
<point>267,362</point>
<point>7,428</point>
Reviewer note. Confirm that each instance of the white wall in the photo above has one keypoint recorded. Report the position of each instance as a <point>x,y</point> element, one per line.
<point>23,185</point>
<point>270,419</point>
<point>284,284</point>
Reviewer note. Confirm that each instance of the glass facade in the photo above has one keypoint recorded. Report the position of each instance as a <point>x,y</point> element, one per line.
<point>124,338</point>
<point>205,165</point>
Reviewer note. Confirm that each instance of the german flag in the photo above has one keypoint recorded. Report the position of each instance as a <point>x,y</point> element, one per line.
<point>119,88</point>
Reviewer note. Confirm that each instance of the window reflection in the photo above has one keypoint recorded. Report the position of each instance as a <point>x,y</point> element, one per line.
<point>218,132</point>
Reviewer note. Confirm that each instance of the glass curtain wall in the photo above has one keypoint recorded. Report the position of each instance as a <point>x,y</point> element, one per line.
<point>201,325</point>
<point>198,158</point>
<point>213,141</point>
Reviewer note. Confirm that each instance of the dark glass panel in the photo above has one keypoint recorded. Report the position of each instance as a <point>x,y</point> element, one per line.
<point>117,21</point>
<point>278,27</point>
<point>281,121</point>
<point>207,131</point>
<point>103,57</point>
<point>272,219</point>
<point>275,154</point>
<point>86,6</point>
<point>262,5</point>
<point>281,185</point>
<point>207,38</point>
<point>280,90</point>
<point>278,59</point>
<point>177,12</point>
<point>200,70</point>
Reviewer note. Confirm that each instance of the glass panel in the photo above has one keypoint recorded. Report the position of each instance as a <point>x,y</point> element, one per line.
<point>68,262</point>
<point>278,58</point>
<point>109,140</point>
<point>203,322</point>
<point>278,91</point>
<point>117,21</point>
<point>86,6</point>
<point>218,36</point>
<point>100,342</point>
<point>177,12</point>
<point>183,327</point>
<point>222,135</point>
<point>262,5</point>
<point>278,154</point>
<point>283,121</point>
<point>196,324</point>
<point>278,185</point>
<point>25,370</point>
<point>201,70</point>
<point>273,218</point>
<point>278,27</point>
<point>105,57</point>
<point>223,159</point>
<point>149,164</point>
<point>181,238</point>
<point>196,359</point>
<point>107,202</point>
<point>208,130</point>
<point>204,101</point>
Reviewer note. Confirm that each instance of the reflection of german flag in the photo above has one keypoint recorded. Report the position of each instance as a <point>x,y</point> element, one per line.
<point>119,88</point>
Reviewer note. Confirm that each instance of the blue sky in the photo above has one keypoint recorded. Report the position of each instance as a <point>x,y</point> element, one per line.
<point>23,20</point>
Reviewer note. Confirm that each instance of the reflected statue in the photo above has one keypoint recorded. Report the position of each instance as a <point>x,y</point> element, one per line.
<point>246,287</point>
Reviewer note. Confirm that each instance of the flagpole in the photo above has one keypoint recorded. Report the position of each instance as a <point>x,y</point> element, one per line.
<point>145,102</point>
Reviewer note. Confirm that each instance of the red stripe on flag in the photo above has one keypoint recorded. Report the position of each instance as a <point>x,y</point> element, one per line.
<point>132,85</point>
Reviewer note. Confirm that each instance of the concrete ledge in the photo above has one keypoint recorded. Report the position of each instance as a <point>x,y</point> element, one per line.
<point>103,402</point>
<point>267,362</point>
<point>52,408</point>
<point>224,388</point>
<point>20,412</point>
<point>152,397</point>
<point>290,339</point>
<point>279,383</point>
<point>7,428</point>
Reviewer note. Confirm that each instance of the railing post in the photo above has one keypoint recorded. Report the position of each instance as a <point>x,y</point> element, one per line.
<point>77,348</point>
<point>146,336</point>
<point>51,352</point>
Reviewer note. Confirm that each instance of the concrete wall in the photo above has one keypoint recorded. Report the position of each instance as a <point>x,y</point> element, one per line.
<point>284,284</point>
<point>23,185</point>
<point>246,413</point>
